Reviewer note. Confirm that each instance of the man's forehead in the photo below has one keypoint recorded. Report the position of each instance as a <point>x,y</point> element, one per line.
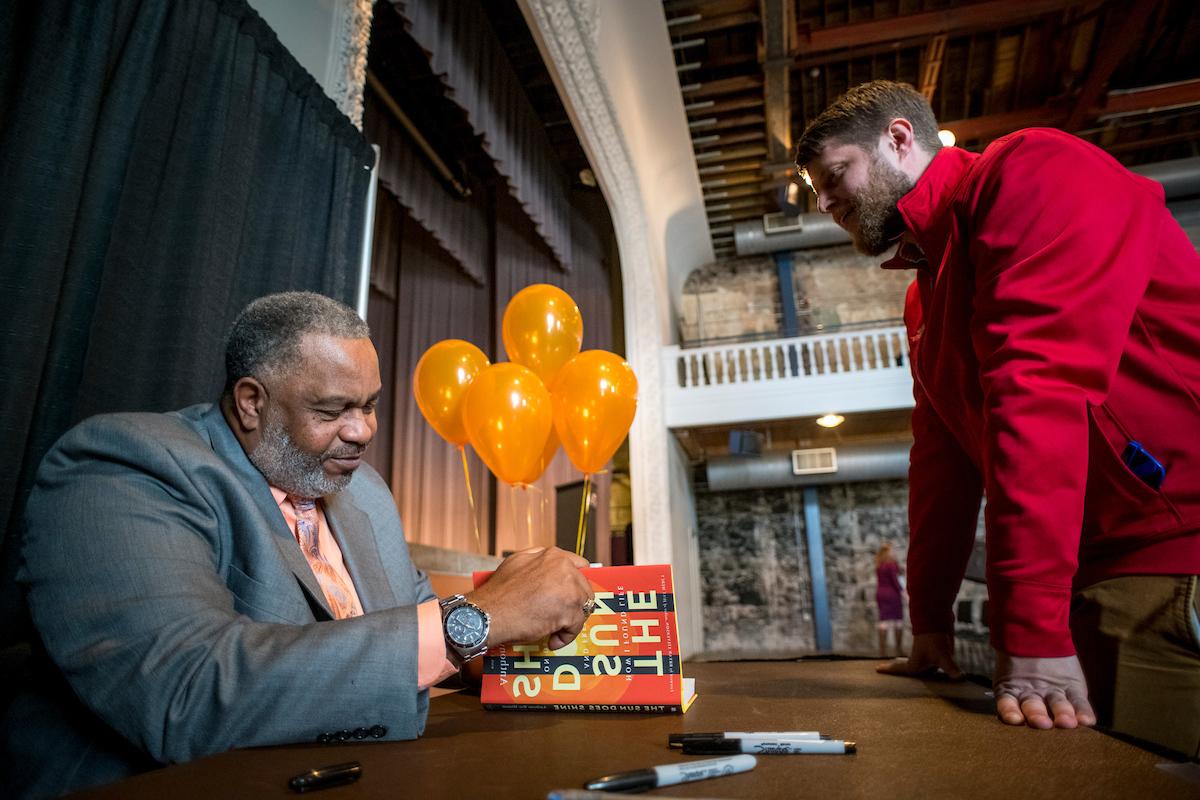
<point>326,358</point>
<point>835,151</point>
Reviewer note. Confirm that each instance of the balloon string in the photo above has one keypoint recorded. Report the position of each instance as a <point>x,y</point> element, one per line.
<point>471,497</point>
<point>542,507</point>
<point>528,516</point>
<point>512,510</point>
<point>581,534</point>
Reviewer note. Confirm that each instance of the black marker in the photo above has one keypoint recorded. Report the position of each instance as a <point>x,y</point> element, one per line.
<point>671,774</point>
<point>677,739</point>
<point>712,747</point>
<point>324,777</point>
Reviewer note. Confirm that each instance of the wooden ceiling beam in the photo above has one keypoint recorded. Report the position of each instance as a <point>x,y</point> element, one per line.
<point>1150,98</point>
<point>735,166</point>
<point>738,191</point>
<point>707,157</point>
<point>737,203</point>
<point>718,123</point>
<point>724,139</point>
<point>741,83</point>
<point>710,24</point>
<point>777,24</point>
<point>708,8</point>
<point>1123,103</point>
<point>987,15</point>
<point>704,108</point>
<point>993,125</point>
<point>1122,27</point>
<point>1147,143</point>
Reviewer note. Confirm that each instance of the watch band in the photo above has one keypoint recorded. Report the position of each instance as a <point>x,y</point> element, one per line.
<point>460,654</point>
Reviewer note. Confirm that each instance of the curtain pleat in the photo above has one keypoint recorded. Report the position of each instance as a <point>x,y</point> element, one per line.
<point>419,297</point>
<point>523,259</point>
<point>468,57</point>
<point>459,226</point>
<point>162,164</point>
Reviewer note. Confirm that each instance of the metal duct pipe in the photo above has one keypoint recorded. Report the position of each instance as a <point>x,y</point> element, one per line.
<point>1180,178</point>
<point>862,462</point>
<point>816,230</point>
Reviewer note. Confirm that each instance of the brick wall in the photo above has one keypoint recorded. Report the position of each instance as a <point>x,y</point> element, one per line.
<point>831,286</point>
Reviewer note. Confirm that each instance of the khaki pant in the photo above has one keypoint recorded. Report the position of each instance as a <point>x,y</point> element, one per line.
<point>1138,638</point>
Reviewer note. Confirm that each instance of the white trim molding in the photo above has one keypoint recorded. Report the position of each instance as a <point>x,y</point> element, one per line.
<point>347,67</point>
<point>567,32</point>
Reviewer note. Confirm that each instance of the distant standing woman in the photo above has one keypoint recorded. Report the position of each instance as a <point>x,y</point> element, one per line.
<point>889,599</point>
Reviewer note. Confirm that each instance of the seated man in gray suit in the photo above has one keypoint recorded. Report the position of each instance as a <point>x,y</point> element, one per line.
<point>233,575</point>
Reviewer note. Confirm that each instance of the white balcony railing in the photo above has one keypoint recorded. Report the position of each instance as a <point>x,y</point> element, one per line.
<point>721,384</point>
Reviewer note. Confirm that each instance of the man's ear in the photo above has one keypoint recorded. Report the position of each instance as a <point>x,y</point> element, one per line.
<point>249,397</point>
<point>900,137</point>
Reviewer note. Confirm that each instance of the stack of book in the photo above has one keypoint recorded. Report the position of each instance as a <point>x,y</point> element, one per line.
<point>626,658</point>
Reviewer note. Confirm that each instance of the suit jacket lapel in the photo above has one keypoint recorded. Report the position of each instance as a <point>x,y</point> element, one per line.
<point>226,445</point>
<point>356,538</point>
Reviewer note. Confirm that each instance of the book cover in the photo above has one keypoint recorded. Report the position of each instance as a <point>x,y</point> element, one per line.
<point>626,659</point>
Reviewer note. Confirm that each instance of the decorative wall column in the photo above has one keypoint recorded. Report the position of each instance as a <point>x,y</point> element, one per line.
<point>348,62</point>
<point>567,33</point>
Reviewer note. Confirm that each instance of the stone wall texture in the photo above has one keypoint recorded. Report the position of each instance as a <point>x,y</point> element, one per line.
<point>756,578</point>
<point>831,286</point>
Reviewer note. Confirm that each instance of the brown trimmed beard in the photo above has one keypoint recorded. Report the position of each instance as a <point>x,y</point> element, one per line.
<point>879,220</point>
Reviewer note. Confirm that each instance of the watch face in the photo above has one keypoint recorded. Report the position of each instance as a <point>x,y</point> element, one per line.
<point>464,626</point>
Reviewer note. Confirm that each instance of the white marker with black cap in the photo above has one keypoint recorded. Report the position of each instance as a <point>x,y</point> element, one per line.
<point>712,747</point>
<point>671,774</point>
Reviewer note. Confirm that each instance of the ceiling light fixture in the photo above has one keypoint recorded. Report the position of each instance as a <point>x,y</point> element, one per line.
<point>830,420</point>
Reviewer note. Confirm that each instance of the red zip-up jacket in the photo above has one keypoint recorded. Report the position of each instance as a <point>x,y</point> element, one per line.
<point>1057,318</point>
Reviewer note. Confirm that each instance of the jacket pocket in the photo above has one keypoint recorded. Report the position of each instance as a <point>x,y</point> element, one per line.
<point>260,602</point>
<point>1118,506</point>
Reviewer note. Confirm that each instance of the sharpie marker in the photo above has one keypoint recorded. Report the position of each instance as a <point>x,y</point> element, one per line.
<point>677,739</point>
<point>671,774</point>
<point>324,777</point>
<point>763,747</point>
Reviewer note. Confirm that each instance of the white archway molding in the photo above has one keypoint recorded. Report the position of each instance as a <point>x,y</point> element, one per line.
<point>657,212</point>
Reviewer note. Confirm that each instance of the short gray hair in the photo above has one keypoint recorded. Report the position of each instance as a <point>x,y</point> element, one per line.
<point>267,333</point>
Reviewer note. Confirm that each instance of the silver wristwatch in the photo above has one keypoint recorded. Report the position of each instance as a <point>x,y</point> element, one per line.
<point>466,628</point>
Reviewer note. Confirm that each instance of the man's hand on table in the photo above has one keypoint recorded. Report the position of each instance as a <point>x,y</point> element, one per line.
<point>1042,692</point>
<point>533,594</point>
<point>931,652</point>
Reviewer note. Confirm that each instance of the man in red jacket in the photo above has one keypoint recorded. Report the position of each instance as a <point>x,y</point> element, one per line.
<point>1054,330</point>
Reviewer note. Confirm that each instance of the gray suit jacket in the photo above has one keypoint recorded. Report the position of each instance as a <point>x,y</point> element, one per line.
<point>173,601</point>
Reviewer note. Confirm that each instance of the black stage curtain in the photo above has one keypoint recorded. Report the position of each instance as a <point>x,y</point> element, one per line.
<point>162,162</point>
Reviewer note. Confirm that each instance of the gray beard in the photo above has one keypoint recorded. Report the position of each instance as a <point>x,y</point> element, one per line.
<point>287,467</point>
<point>879,220</point>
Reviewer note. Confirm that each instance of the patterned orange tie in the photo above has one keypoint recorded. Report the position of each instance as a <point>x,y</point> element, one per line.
<point>341,601</point>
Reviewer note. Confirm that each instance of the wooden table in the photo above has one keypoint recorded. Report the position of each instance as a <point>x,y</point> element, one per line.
<point>916,739</point>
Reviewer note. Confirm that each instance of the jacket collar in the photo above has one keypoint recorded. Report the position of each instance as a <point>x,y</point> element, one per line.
<point>925,208</point>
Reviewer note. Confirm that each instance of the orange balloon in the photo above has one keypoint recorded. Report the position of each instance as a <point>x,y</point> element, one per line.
<point>507,414</point>
<point>595,398</point>
<point>548,453</point>
<point>440,381</point>
<point>542,329</point>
